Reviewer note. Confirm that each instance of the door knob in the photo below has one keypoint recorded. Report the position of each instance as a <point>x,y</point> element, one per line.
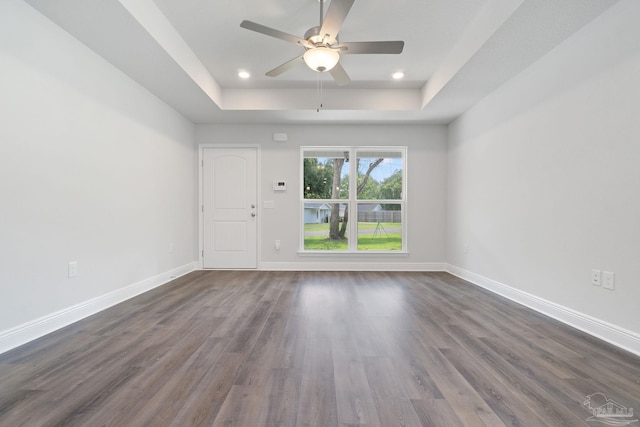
<point>253,206</point>
<point>253,214</point>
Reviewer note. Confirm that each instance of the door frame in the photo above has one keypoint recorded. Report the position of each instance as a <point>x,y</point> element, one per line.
<point>201,148</point>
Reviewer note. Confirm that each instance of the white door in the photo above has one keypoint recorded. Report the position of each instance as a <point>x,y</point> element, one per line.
<point>229,207</point>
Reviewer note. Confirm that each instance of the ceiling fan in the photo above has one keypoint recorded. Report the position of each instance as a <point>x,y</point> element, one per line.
<point>322,48</point>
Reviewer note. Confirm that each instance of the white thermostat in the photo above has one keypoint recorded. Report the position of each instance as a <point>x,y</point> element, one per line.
<point>279,185</point>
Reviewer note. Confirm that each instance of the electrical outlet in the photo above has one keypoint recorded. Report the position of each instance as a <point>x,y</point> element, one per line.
<point>608,280</point>
<point>596,277</point>
<point>277,245</point>
<point>73,268</point>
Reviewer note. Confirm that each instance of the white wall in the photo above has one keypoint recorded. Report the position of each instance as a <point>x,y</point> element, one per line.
<point>426,160</point>
<point>544,176</point>
<point>93,169</point>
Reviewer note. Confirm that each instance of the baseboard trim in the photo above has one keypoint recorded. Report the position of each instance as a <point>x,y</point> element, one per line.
<point>22,334</point>
<point>613,334</point>
<point>352,266</point>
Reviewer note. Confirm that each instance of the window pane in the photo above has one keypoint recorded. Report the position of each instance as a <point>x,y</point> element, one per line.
<point>374,208</point>
<point>324,227</point>
<point>326,177</point>
<point>379,227</point>
<point>379,176</point>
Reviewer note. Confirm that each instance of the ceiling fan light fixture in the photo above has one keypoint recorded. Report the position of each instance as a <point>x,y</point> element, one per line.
<point>321,58</point>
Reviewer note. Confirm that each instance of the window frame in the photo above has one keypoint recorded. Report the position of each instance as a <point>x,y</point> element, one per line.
<point>352,201</point>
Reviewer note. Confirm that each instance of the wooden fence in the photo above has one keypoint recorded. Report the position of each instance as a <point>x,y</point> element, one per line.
<point>380,216</point>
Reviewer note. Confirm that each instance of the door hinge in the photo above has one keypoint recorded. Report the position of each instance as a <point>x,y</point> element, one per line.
<point>203,253</point>
<point>202,208</point>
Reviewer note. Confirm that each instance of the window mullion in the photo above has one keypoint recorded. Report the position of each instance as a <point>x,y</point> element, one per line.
<point>353,200</point>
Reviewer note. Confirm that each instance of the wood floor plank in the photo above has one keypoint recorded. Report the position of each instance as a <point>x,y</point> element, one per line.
<point>247,333</point>
<point>256,369</point>
<point>392,404</point>
<point>318,405</point>
<point>467,404</point>
<point>535,394</point>
<point>409,366</point>
<point>203,404</point>
<point>325,349</point>
<point>355,401</point>
<point>280,401</point>
<point>239,408</point>
<point>437,412</point>
<point>290,354</point>
<point>546,383</point>
<point>161,396</point>
<point>502,400</point>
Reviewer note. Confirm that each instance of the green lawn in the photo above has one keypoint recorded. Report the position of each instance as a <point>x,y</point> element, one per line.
<point>316,227</point>
<point>386,238</point>
<point>390,242</point>
<point>322,243</point>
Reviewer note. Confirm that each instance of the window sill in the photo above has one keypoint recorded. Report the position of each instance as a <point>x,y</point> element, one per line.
<point>353,253</point>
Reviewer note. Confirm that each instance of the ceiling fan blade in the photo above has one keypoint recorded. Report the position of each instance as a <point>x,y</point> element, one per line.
<point>339,75</point>
<point>338,10</point>
<point>353,48</point>
<point>284,67</point>
<point>258,28</point>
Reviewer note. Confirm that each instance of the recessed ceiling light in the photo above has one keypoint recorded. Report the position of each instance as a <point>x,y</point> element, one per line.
<point>397,75</point>
<point>244,75</point>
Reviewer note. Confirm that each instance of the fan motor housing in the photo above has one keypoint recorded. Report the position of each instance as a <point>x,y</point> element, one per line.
<point>313,36</point>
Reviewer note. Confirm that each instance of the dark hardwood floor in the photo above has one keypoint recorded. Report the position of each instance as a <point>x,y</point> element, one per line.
<point>247,348</point>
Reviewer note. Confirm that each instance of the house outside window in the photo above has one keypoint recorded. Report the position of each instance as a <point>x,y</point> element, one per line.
<point>353,199</point>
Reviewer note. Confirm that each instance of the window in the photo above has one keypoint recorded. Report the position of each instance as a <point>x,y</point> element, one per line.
<point>353,199</point>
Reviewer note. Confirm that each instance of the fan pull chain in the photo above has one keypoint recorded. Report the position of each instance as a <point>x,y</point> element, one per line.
<point>319,92</point>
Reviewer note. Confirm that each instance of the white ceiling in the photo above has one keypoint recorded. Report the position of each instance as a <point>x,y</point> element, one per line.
<point>189,53</point>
